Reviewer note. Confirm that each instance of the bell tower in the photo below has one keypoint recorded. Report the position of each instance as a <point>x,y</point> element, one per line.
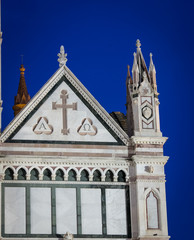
<point>147,180</point>
<point>22,97</point>
<point>142,98</point>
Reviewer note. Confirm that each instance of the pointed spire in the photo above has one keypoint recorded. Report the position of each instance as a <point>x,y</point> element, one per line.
<point>152,73</point>
<point>151,67</point>
<point>129,79</point>
<point>135,72</point>
<point>62,57</point>
<point>138,44</point>
<point>22,97</point>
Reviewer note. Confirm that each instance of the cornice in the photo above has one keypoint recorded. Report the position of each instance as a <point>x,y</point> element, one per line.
<point>158,160</point>
<point>148,140</point>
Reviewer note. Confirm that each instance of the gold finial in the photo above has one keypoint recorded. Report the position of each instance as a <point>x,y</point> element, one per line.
<point>22,69</point>
<point>138,44</point>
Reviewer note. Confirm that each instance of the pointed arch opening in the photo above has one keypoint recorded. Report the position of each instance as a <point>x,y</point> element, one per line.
<point>109,176</point>
<point>121,176</point>
<point>34,174</point>
<point>84,175</point>
<point>152,211</point>
<point>47,176</point>
<point>59,175</point>
<point>21,174</point>
<point>72,176</point>
<point>9,174</point>
<point>97,176</point>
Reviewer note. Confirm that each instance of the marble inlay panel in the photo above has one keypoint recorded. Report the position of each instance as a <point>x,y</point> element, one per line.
<point>152,211</point>
<point>91,211</point>
<point>40,199</point>
<point>116,212</point>
<point>66,216</point>
<point>15,210</point>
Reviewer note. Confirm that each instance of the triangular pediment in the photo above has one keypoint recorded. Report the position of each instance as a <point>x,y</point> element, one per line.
<point>63,111</point>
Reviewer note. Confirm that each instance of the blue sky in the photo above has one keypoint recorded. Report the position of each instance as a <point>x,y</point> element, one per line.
<point>99,37</point>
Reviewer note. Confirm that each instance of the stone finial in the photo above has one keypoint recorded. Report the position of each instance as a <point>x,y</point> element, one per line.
<point>138,44</point>
<point>129,76</point>
<point>151,67</point>
<point>62,57</point>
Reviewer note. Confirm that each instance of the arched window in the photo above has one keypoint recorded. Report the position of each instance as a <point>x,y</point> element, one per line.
<point>34,174</point>
<point>21,174</point>
<point>152,211</point>
<point>109,176</point>
<point>47,175</point>
<point>97,176</point>
<point>72,175</point>
<point>59,175</point>
<point>8,174</point>
<point>121,176</point>
<point>84,175</point>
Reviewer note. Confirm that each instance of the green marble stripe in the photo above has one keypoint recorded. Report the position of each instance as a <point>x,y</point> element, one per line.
<point>78,203</point>
<point>53,210</point>
<point>103,204</point>
<point>28,212</point>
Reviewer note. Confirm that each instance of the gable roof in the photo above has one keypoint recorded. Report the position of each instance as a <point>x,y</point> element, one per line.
<point>89,100</point>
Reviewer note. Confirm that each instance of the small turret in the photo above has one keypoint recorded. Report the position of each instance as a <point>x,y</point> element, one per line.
<point>142,98</point>
<point>152,74</point>
<point>22,97</point>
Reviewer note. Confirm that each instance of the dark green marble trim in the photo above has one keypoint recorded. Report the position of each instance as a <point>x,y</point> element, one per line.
<point>119,141</point>
<point>53,210</point>
<point>103,204</point>
<point>63,142</point>
<point>78,205</point>
<point>78,208</point>
<point>128,211</point>
<point>28,216</point>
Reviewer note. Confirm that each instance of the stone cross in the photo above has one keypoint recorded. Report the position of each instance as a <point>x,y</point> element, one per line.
<point>64,107</point>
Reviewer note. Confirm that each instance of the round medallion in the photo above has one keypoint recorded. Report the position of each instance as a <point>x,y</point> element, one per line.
<point>147,112</point>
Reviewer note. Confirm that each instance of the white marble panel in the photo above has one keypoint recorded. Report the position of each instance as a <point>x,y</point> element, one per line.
<point>116,212</point>
<point>152,211</point>
<point>40,199</point>
<point>66,216</point>
<point>91,211</point>
<point>15,211</point>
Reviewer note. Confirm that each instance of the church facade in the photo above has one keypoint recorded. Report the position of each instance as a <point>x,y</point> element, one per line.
<point>69,169</point>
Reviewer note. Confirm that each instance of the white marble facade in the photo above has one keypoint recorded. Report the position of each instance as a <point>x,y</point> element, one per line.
<point>15,210</point>
<point>40,210</point>
<point>66,215</point>
<point>116,214</point>
<point>91,211</point>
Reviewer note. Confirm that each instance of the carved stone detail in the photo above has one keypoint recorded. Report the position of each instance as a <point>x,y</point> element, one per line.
<point>43,126</point>
<point>87,128</point>
<point>64,107</point>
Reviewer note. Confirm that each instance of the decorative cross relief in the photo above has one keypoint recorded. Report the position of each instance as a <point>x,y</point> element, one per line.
<point>64,107</point>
